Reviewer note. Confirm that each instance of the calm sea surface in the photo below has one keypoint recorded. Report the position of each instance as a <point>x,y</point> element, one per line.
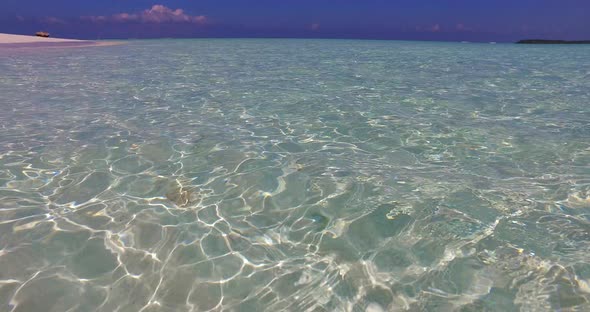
<point>295,175</point>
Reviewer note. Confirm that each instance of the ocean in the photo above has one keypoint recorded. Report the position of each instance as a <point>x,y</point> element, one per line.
<point>295,175</point>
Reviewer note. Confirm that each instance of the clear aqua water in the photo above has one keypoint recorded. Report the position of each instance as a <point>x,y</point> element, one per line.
<point>295,175</point>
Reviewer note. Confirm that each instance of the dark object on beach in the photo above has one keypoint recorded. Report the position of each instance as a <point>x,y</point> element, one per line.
<point>543,41</point>
<point>42,34</point>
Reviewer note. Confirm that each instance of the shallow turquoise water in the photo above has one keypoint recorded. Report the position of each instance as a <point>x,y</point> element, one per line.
<point>295,175</point>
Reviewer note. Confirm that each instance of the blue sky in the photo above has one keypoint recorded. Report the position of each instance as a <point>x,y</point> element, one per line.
<point>475,20</point>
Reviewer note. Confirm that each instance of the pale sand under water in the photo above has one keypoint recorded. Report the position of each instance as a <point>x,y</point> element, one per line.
<point>295,175</point>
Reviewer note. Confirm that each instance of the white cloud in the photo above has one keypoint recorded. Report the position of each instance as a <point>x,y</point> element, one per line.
<point>157,14</point>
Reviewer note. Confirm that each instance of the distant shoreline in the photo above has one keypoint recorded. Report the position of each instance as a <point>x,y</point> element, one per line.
<point>23,41</point>
<point>19,41</point>
<point>545,41</point>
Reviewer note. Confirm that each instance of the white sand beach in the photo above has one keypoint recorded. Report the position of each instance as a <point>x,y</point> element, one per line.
<point>8,39</point>
<point>21,41</point>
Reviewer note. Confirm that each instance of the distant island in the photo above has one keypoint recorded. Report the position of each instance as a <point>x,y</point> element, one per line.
<point>543,41</point>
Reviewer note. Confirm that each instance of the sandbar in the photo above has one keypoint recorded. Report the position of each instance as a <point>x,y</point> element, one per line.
<point>20,41</point>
